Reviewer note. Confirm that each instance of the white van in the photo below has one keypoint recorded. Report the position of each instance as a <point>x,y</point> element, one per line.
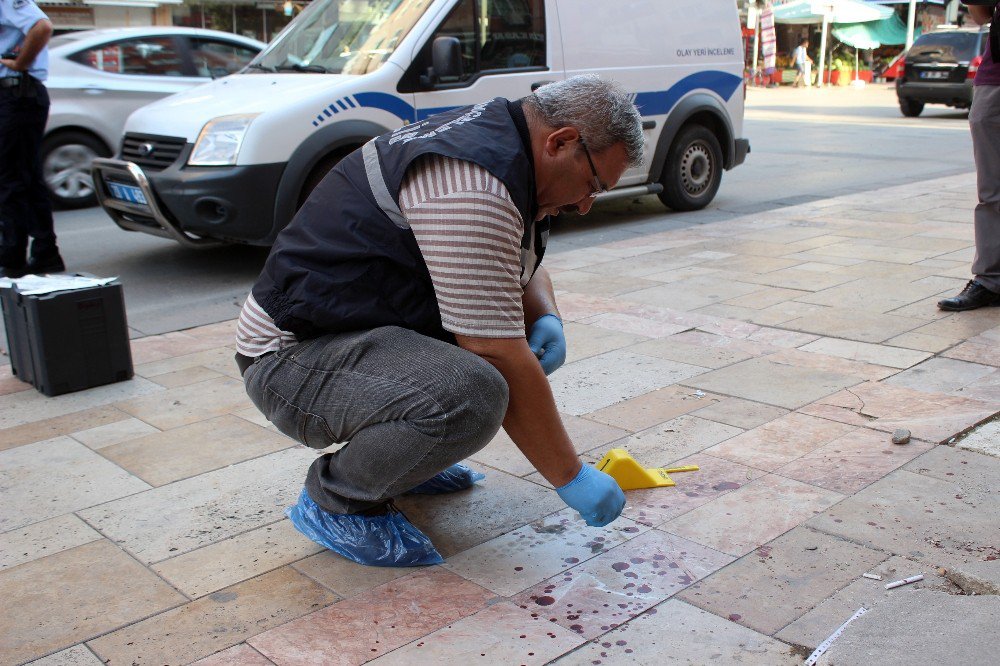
<point>232,160</point>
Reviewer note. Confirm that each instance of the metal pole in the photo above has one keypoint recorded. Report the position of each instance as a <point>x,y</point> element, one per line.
<point>910,19</point>
<point>263,14</point>
<point>234,19</point>
<point>822,49</point>
<point>202,5</point>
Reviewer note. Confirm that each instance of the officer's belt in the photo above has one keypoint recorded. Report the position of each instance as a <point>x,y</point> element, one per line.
<point>10,81</point>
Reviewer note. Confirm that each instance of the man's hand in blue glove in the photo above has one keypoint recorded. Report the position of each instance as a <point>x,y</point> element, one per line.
<point>595,495</point>
<point>548,343</point>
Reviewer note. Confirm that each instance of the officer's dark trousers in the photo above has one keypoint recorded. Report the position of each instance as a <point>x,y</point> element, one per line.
<point>25,210</point>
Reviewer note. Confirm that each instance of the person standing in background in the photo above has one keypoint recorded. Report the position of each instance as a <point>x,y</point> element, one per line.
<point>802,62</point>
<point>25,210</point>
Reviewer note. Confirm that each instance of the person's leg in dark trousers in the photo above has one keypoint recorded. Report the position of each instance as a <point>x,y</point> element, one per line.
<point>25,209</point>
<point>409,407</point>
<point>984,121</point>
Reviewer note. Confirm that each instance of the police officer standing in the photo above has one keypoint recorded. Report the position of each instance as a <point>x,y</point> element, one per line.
<point>25,210</point>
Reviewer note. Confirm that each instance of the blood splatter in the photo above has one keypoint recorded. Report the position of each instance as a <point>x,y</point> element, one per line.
<point>545,601</point>
<point>571,560</point>
<point>735,617</point>
<point>620,566</point>
<point>726,485</point>
<point>645,589</point>
<point>518,568</point>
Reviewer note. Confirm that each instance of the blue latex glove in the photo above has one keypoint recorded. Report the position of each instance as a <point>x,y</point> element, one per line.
<point>595,495</point>
<point>548,343</point>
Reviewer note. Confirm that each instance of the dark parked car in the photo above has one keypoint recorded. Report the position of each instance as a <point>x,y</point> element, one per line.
<point>939,69</point>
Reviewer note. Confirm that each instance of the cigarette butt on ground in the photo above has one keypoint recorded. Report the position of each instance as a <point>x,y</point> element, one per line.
<point>904,581</point>
<point>872,576</point>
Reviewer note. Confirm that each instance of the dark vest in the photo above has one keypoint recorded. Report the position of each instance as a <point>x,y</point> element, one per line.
<point>348,261</point>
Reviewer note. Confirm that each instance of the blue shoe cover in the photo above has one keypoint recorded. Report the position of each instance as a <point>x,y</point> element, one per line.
<point>456,477</point>
<point>377,541</point>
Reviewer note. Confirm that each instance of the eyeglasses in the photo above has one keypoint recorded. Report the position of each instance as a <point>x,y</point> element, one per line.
<point>599,187</point>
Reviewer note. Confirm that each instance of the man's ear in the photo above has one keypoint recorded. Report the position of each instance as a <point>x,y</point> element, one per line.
<point>559,140</point>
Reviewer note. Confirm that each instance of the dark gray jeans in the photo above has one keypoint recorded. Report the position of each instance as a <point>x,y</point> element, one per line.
<point>408,406</point>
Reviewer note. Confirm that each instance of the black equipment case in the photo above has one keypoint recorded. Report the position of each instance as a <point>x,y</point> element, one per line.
<point>68,341</point>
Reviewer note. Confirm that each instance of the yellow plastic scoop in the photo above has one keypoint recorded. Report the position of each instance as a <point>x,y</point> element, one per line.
<point>630,475</point>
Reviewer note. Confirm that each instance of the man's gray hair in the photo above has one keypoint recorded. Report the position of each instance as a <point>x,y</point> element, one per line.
<point>602,111</point>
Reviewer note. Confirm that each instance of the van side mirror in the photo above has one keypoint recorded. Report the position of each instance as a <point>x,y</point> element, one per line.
<point>446,60</point>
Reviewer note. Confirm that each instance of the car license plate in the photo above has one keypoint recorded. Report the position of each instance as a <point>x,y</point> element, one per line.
<point>933,75</point>
<point>123,192</point>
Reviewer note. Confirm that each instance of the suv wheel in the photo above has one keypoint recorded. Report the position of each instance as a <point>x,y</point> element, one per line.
<point>693,169</point>
<point>66,159</point>
<point>911,108</point>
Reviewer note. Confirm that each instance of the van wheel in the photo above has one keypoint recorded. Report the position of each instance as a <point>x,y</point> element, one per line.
<point>66,159</point>
<point>910,107</point>
<point>319,172</point>
<point>693,169</point>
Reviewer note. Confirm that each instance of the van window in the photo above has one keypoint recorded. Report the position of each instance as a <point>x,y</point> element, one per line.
<point>342,36</point>
<point>496,35</point>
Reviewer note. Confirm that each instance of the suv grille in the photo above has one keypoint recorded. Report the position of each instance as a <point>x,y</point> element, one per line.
<point>153,152</point>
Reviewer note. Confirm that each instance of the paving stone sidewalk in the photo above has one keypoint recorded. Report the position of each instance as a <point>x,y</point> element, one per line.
<point>141,522</point>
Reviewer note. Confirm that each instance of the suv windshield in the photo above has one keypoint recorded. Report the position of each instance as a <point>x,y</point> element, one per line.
<point>341,36</point>
<point>944,47</point>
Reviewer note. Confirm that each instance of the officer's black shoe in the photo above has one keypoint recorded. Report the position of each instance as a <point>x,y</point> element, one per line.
<point>12,271</point>
<point>973,296</point>
<point>42,265</point>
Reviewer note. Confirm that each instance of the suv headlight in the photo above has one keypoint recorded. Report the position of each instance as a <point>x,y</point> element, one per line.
<point>220,140</point>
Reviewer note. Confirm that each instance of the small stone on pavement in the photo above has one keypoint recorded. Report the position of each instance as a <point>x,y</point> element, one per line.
<point>900,436</point>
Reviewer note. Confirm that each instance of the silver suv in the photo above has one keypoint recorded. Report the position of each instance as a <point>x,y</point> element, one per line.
<point>98,77</point>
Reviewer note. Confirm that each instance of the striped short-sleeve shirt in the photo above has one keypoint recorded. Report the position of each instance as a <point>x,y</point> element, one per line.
<point>469,233</point>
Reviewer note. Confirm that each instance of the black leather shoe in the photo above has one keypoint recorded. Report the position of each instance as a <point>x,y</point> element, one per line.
<point>53,264</point>
<point>973,296</point>
<point>11,271</point>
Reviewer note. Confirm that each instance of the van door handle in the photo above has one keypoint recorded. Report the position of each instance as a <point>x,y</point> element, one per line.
<point>538,84</point>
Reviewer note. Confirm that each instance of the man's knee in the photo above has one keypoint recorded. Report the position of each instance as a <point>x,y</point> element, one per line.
<point>481,395</point>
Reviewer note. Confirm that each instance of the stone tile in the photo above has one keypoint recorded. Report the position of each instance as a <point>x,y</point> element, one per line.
<point>236,559</point>
<point>960,326</point>
<point>741,413</point>
<point>179,406</point>
<point>585,340</point>
<point>185,377</point>
<point>18,409</point>
<point>672,440</point>
<point>776,384</point>
<point>779,582</point>
<point>815,626</point>
<point>58,601</point>
<point>862,249</point>
<point>921,341</point>
<point>984,439</point>
<point>175,519</point>
<point>43,539</point>
<point>974,353</point>
<point>973,473</point>
<point>881,294</point>
<point>676,632</point>
<point>800,280</point>
<point>515,561</point>
<point>920,517</point>
<point>504,455</point>
<point>238,655</point>
<point>503,633</point>
<point>607,591</point>
<point>492,507</point>
<point>608,285</point>
<point>854,325</point>
<point>652,408</point>
<point>344,577</point>
<point>57,476</point>
<point>574,307</point>
<point>628,323</point>
<point>692,293</point>
<point>765,298</point>
<point>893,357</point>
<point>780,441</point>
<point>835,364</point>
<point>941,375</point>
<point>715,477</point>
<point>58,425</point>
<point>732,524</point>
<point>219,360</point>
<point>105,435</point>
<point>593,383</point>
<point>849,463</point>
<point>78,655</point>
<point>933,417</point>
<point>403,610</point>
<point>164,457</point>
<point>215,622</point>
<point>697,348</point>
<point>9,383</point>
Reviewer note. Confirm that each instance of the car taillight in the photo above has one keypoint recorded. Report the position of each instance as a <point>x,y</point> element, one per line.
<point>974,67</point>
